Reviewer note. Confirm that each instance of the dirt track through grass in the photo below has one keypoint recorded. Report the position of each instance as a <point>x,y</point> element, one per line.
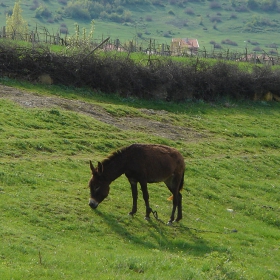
<point>157,128</point>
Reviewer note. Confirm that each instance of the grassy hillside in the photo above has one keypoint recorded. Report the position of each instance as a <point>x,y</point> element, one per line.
<point>230,226</point>
<point>235,24</point>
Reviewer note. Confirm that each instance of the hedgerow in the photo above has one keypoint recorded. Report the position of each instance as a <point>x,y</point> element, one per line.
<point>161,78</point>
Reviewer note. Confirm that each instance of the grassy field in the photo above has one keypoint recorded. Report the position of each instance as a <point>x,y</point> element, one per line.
<point>195,19</point>
<point>231,214</point>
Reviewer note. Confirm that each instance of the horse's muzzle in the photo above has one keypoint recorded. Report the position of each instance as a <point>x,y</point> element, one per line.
<point>93,203</point>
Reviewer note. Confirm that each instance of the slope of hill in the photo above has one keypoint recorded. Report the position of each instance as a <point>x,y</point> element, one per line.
<point>230,226</point>
<point>237,24</point>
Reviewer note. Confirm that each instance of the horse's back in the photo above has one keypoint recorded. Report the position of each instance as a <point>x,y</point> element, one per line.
<point>155,162</point>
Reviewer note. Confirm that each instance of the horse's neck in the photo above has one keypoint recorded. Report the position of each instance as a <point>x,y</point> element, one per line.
<point>113,169</point>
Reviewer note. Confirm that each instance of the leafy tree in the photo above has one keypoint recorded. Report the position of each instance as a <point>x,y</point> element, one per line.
<point>269,5</point>
<point>43,11</point>
<point>253,4</point>
<point>16,26</point>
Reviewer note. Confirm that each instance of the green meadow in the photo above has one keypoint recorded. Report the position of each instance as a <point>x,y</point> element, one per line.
<point>218,23</point>
<point>231,214</point>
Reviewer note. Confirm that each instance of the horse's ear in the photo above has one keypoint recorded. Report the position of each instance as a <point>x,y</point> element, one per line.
<point>100,167</point>
<point>91,167</point>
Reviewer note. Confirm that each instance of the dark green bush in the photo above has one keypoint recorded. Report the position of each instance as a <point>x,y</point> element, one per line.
<point>199,79</point>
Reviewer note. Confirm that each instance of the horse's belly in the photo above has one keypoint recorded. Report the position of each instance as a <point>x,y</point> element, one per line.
<point>158,179</point>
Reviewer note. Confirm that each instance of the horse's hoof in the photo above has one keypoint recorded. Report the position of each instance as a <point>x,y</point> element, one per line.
<point>147,218</point>
<point>130,214</point>
<point>170,223</point>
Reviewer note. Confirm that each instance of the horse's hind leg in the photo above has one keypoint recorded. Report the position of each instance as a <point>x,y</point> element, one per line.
<point>175,204</point>
<point>173,184</point>
<point>179,207</point>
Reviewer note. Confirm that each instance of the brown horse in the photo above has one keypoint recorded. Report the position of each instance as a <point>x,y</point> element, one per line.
<point>141,163</point>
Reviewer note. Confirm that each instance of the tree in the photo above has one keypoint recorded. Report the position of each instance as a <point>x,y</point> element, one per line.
<point>253,4</point>
<point>16,26</point>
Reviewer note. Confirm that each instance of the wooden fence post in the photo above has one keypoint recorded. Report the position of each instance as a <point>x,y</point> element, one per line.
<point>4,31</point>
<point>57,39</point>
<point>162,49</point>
<point>32,38</point>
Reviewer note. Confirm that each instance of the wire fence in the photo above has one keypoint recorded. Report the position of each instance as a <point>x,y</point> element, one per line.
<point>150,47</point>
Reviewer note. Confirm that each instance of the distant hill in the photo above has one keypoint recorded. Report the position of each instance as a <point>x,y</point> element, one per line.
<point>219,24</point>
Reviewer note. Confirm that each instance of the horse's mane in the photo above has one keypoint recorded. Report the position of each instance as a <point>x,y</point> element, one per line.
<point>113,156</point>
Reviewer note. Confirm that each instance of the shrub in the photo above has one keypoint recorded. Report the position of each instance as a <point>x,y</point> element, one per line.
<point>189,11</point>
<point>228,8</point>
<point>199,79</point>
<point>57,17</point>
<point>76,11</point>
<point>42,11</point>
<point>257,49</point>
<point>217,46</point>
<point>273,52</point>
<point>63,28</point>
<point>229,42</point>
<point>119,9</point>
<point>271,5</point>
<point>115,17</point>
<point>254,43</point>
<point>273,45</point>
<point>149,18</point>
<point>167,35</point>
<point>95,9</point>
<point>214,5</point>
<point>253,4</point>
<point>241,9</point>
<point>35,5</point>
<point>104,15</point>
<point>215,19</point>
<point>126,16</point>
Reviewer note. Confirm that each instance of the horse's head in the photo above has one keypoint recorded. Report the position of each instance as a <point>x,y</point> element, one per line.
<point>98,185</point>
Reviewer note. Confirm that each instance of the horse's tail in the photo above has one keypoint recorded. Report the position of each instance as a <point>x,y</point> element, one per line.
<point>180,187</point>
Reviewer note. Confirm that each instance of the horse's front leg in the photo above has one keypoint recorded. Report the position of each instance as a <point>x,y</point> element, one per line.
<point>146,199</point>
<point>134,192</point>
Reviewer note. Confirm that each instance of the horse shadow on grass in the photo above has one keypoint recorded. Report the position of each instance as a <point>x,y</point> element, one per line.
<point>154,234</point>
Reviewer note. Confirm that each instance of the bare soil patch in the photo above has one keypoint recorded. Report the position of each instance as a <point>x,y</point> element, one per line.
<point>160,129</point>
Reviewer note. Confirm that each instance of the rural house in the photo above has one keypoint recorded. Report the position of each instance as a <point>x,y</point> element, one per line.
<point>181,46</point>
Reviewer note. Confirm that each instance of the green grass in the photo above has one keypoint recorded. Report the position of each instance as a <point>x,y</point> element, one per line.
<point>49,232</point>
<point>165,25</point>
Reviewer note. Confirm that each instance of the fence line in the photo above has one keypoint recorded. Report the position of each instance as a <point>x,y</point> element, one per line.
<point>149,47</point>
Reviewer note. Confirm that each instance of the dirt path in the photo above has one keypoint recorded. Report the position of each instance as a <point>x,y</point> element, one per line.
<point>160,129</point>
